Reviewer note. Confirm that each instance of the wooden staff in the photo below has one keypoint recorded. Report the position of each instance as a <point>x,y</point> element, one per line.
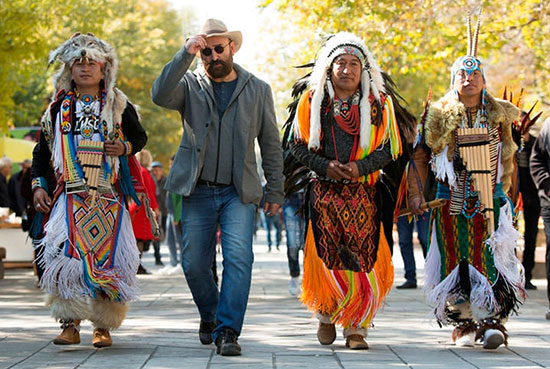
<point>424,206</point>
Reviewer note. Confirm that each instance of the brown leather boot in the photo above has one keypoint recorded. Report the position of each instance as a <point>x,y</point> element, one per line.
<point>102,338</point>
<point>326,333</point>
<point>356,342</point>
<point>70,334</point>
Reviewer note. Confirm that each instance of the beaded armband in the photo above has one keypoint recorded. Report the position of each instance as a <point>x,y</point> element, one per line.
<point>127,147</point>
<point>39,182</point>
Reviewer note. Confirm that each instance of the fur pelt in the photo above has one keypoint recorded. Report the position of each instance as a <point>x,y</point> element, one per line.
<point>445,116</point>
<point>107,314</point>
<point>83,46</point>
<point>88,46</point>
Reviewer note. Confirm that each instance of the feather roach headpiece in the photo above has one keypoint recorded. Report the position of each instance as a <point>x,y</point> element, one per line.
<point>470,61</point>
<point>319,81</point>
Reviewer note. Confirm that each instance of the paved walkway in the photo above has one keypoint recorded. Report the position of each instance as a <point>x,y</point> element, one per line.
<point>161,330</point>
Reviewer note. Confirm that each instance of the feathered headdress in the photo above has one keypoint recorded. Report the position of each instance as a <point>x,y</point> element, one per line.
<point>319,81</point>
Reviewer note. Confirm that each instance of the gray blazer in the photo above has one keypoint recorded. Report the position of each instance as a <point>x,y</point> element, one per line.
<point>250,108</point>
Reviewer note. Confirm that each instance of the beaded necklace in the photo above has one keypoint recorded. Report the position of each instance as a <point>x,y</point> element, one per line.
<point>87,115</point>
<point>346,115</point>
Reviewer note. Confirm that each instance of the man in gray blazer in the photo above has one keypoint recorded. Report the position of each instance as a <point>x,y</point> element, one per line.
<point>224,109</point>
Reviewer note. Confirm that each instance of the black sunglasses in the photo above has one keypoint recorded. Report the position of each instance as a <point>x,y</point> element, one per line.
<point>218,49</point>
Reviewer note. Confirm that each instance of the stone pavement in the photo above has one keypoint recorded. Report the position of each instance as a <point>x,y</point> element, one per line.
<point>161,329</point>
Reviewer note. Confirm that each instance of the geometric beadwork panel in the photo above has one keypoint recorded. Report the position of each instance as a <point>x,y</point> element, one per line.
<point>95,227</point>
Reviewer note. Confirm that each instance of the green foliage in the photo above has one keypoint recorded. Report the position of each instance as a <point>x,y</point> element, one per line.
<point>416,41</point>
<point>145,33</point>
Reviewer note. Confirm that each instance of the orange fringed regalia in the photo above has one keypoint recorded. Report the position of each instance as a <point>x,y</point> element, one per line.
<point>348,269</point>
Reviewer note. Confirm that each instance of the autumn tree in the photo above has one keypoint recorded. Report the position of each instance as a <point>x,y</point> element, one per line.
<point>416,41</point>
<point>145,33</point>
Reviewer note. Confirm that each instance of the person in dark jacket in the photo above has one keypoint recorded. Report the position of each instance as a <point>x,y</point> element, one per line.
<point>5,171</point>
<point>531,205</point>
<point>17,202</point>
<point>540,171</point>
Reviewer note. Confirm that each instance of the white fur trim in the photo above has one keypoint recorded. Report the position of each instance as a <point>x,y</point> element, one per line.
<point>103,313</point>
<point>68,309</point>
<point>443,168</point>
<point>107,314</point>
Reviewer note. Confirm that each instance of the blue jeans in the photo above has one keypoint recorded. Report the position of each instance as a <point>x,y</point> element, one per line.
<point>545,214</point>
<point>202,211</point>
<point>173,235</point>
<point>405,231</point>
<point>273,221</point>
<point>294,226</point>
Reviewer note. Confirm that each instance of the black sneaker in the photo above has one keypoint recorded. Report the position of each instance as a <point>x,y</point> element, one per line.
<point>530,286</point>
<point>227,344</point>
<point>205,332</point>
<point>407,285</point>
<point>142,270</point>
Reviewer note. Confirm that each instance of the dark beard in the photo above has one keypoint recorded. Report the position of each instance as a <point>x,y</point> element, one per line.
<point>219,68</point>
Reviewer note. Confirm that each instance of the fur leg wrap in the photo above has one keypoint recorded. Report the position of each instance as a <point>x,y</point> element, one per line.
<point>464,328</point>
<point>491,323</point>
<point>107,314</point>
<point>67,309</point>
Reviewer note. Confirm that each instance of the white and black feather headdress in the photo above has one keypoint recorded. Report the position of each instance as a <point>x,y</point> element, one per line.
<point>371,81</point>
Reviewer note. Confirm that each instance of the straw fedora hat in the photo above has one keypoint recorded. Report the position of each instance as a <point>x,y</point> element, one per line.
<point>215,27</point>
